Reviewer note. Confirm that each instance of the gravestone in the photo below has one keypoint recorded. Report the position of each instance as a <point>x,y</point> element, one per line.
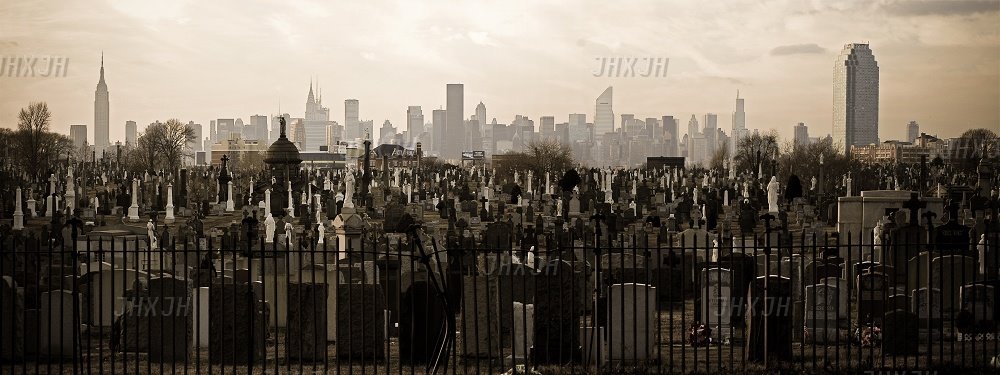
<point>926,304</point>
<point>742,266</point>
<point>422,317</point>
<point>823,311</point>
<point>58,333</point>
<point>716,295</point>
<point>332,278</point>
<point>873,290</point>
<point>977,313</point>
<point>952,272</point>
<point>900,333</point>
<point>524,322</point>
<point>360,322</point>
<point>107,287</point>
<point>171,330</point>
<point>237,324</point>
<point>306,331</point>
<point>632,322</point>
<point>769,316</point>
<point>557,312</point>
<point>479,317</point>
<point>516,285</point>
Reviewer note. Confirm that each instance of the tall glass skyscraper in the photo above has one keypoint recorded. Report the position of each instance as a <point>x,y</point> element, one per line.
<point>604,121</point>
<point>855,97</point>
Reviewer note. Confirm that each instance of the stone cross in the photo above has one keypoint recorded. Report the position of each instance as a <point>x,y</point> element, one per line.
<point>914,205</point>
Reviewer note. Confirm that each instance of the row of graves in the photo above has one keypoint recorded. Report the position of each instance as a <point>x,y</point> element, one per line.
<point>615,268</point>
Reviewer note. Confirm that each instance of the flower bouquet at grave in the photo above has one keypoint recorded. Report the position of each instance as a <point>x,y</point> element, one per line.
<point>868,336</point>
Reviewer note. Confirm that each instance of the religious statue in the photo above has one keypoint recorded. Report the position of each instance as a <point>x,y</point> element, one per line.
<point>772,195</point>
<point>321,233</point>
<point>151,233</point>
<point>349,190</point>
<point>269,227</point>
<point>812,187</point>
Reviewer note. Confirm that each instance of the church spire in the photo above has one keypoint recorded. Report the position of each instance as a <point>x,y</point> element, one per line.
<point>312,98</point>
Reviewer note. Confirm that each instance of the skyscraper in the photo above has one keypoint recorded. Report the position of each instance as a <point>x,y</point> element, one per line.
<point>855,97</point>
<point>454,137</point>
<point>414,123</point>
<point>670,135</point>
<point>912,131</point>
<point>801,135</point>
<point>578,127</point>
<point>131,133</point>
<point>351,123</point>
<point>739,125</point>
<point>711,134</point>
<point>78,133</point>
<point>604,121</point>
<point>438,118</point>
<point>315,123</point>
<point>195,145</point>
<point>481,116</point>
<point>258,128</point>
<point>101,110</point>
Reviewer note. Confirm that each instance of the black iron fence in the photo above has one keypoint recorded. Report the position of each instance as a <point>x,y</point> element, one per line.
<point>404,303</point>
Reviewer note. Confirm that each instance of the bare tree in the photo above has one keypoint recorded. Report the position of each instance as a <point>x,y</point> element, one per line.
<point>32,123</point>
<point>756,150</point>
<point>162,145</point>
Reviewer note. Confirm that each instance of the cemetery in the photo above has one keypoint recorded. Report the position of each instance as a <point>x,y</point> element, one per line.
<point>436,268</point>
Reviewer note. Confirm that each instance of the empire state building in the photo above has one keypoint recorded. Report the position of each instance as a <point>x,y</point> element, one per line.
<point>101,139</point>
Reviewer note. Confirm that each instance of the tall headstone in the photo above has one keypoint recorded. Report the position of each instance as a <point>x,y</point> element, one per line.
<point>237,324</point>
<point>479,317</point>
<point>632,322</point>
<point>171,330</point>
<point>769,319</point>
<point>306,330</point>
<point>361,322</point>
<point>557,315</point>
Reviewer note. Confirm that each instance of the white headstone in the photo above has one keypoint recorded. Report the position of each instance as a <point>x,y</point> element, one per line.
<point>133,210</point>
<point>230,205</point>
<point>170,202</point>
<point>18,214</point>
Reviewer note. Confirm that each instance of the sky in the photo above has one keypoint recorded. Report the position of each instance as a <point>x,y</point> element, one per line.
<point>939,60</point>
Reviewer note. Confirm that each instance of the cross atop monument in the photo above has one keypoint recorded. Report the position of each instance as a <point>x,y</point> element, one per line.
<point>914,205</point>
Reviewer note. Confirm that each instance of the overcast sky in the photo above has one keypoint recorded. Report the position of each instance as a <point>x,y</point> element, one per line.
<point>201,60</point>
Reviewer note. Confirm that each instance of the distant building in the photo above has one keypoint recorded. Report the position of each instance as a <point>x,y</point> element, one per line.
<point>855,97</point>
<point>352,128</point>
<point>78,133</point>
<point>578,131</point>
<point>604,120</point>
<point>438,117</point>
<point>101,114</point>
<point>890,152</point>
<point>258,128</point>
<point>131,133</point>
<point>801,135</point>
<point>739,125</point>
<point>414,123</point>
<point>196,144</point>
<point>315,123</point>
<point>237,148</point>
<point>454,137</point>
<point>912,131</point>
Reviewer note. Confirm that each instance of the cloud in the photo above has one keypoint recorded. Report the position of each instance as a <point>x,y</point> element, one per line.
<point>941,7</point>
<point>797,49</point>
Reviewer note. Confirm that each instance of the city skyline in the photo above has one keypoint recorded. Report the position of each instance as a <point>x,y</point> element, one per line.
<point>784,77</point>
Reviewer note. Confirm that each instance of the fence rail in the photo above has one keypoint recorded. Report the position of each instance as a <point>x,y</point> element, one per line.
<point>482,303</point>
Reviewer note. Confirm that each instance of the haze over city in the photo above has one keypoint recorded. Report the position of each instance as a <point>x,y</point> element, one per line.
<point>939,61</point>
